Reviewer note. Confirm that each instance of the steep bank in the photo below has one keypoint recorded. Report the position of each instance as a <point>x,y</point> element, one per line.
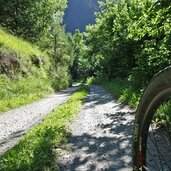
<point>26,73</point>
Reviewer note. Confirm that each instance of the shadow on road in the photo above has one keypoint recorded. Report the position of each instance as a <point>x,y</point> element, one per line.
<point>111,149</point>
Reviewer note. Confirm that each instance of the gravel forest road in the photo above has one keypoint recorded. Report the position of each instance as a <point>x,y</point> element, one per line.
<point>15,123</point>
<point>101,136</point>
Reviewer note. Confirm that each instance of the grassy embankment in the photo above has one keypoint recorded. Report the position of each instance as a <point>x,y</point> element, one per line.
<point>122,89</point>
<point>24,72</point>
<point>126,93</point>
<point>36,150</point>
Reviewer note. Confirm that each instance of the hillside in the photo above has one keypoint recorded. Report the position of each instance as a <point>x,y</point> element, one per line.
<point>26,73</point>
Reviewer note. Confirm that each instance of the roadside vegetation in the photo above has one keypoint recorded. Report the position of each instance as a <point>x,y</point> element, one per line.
<point>122,89</point>
<point>37,150</point>
<point>129,43</point>
<point>24,76</point>
<point>36,55</point>
<point>119,88</point>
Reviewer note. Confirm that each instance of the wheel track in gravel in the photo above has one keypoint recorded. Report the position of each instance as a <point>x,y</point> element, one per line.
<point>15,123</point>
<point>101,136</point>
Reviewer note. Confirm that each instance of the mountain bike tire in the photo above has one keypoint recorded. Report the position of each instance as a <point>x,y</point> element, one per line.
<point>158,91</point>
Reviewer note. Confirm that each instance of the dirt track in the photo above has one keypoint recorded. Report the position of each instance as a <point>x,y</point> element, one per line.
<point>15,123</point>
<point>101,137</point>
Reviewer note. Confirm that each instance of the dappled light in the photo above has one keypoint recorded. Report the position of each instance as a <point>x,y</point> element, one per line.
<point>114,47</point>
<point>101,137</point>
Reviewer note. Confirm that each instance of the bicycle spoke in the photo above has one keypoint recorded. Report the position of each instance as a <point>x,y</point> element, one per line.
<point>154,111</point>
<point>152,160</point>
<point>160,160</point>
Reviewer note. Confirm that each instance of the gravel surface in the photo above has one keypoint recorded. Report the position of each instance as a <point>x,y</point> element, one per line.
<point>15,123</point>
<point>101,137</point>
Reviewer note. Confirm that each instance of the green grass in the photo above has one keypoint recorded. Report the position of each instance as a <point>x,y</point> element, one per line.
<point>23,90</point>
<point>24,52</point>
<point>20,89</point>
<point>36,151</point>
<point>123,90</point>
<point>21,47</point>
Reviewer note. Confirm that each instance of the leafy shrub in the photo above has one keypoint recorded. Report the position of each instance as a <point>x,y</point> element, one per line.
<point>131,38</point>
<point>123,90</point>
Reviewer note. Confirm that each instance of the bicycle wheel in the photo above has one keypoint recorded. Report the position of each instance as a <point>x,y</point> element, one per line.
<point>151,141</point>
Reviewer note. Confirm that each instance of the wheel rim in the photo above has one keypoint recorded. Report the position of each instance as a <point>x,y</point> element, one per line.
<point>157,144</point>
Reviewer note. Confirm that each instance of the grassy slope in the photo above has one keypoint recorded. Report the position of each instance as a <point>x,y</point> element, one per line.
<point>35,151</point>
<point>122,89</point>
<point>34,85</point>
<point>21,47</point>
<point>15,93</point>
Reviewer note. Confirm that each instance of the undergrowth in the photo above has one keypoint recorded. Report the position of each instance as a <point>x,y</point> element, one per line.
<point>15,44</point>
<point>162,116</point>
<point>22,90</point>
<point>122,89</point>
<point>36,151</point>
<point>35,75</point>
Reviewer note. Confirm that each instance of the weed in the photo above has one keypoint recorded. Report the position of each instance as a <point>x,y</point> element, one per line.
<point>123,90</point>
<point>21,91</point>
<point>36,151</point>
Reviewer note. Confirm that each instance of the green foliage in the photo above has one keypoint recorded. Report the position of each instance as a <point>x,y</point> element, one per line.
<point>123,90</point>
<point>108,49</point>
<point>151,34</point>
<point>37,73</point>
<point>31,19</point>
<point>11,43</point>
<point>36,151</point>
<point>60,77</point>
<point>163,115</point>
<point>23,90</point>
<point>39,22</point>
<point>90,80</point>
<point>78,45</point>
<point>131,38</point>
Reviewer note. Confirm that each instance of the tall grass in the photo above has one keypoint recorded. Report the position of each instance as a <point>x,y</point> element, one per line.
<point>120,88</point>
<point>15,44</point>
<point>124,90</point>
<point>21,91</point>
<point>31,82</point>
<point>37,150</point>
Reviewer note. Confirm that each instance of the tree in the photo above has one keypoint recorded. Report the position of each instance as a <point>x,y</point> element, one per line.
<point>131,38</point>
<point>30,19</point>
